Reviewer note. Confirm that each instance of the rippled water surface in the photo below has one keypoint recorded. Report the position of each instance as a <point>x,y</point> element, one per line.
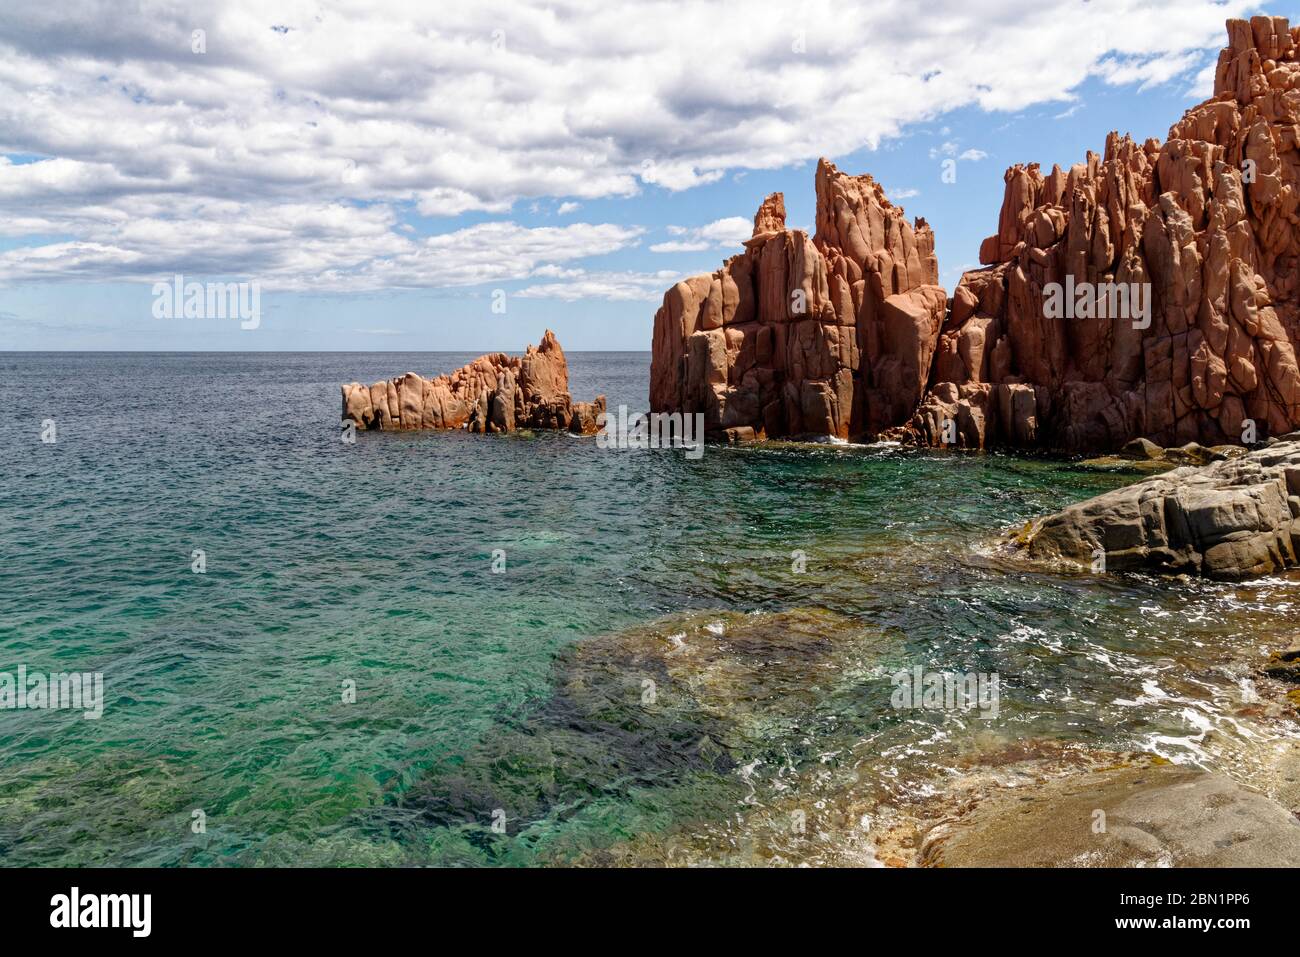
<point>650,670</point>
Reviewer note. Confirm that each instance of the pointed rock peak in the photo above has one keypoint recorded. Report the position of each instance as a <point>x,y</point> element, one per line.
<point>770,217</point>
<point>864,184</point>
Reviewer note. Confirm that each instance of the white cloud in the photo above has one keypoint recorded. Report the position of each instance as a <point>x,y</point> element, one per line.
<point>721,233</point>
<point>1147,71</point>
<point>446,201</point>
<point>1203,84</point>
<point>680,246</point>
<point>300,153</point>
<point>950,149</point>
<point>898,195</point>
<point>338,249</point>
<point>731,231</point>
<point>566,208</point>
<point>612,286</point>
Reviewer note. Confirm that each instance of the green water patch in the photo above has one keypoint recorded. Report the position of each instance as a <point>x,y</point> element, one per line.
<point>649,726</point>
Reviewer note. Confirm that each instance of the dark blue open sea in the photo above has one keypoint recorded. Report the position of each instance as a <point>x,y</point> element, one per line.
<point>650,679</point>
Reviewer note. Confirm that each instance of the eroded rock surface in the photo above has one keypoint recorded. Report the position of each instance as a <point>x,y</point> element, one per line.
<point>494,393</point>
<point>1231,519</point>
<point>1208,219</point>
<point>828,335</point>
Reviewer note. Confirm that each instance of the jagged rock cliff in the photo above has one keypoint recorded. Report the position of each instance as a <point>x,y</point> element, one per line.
<point>1208,219</point>
<point>827,336</point>
<point>1202,230</point>
<point>494,393</point>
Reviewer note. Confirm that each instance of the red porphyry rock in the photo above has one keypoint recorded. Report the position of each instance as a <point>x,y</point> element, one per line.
<point>1208,219</point>
<point>494,393</point>
<point>829,335</point>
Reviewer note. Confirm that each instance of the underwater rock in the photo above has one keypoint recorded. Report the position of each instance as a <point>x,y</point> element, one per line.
<point>678,703</point>
<point>1285,664</point>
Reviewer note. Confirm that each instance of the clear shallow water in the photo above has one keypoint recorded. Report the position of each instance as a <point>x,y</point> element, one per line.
<point>524,692</point>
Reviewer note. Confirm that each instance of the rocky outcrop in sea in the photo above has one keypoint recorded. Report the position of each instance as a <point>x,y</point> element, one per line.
<point>798,335</point>
<point>494,393</point>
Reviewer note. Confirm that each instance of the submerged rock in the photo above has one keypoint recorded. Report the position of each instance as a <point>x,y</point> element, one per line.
<point>1232,519</point>
<point>1285,664</point>
<point>494,393</point>
<point>1162,816</point>
<point>676,704</point>
<point>1144,456</point>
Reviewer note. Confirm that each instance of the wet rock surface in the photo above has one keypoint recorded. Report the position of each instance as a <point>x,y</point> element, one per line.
<point>1285,663</point>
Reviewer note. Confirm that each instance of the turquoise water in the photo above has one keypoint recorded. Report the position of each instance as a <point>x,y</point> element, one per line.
<point>523,693</point>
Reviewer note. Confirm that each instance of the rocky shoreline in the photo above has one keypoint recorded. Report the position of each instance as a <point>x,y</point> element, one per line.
<point>1233,515</point>
<point>846,334</point>
<point>1061,803</point>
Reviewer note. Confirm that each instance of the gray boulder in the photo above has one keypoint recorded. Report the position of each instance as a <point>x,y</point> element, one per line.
<point>1231,519</point>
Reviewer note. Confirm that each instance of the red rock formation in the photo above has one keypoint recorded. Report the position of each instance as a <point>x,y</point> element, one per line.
<point>586,416</point>
<point>1208,219</point>
<point>828,336</point>
<point>837,335</point>
<point>494,393</point>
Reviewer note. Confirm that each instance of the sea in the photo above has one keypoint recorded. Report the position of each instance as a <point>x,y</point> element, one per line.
<point>437,648</point>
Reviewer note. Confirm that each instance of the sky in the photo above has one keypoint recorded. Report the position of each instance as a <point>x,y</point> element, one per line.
<point>403,176</point>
